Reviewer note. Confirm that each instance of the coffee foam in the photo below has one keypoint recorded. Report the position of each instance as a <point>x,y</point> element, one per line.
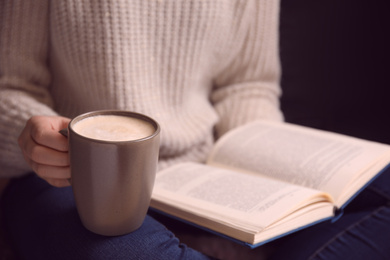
<point>114,128</point>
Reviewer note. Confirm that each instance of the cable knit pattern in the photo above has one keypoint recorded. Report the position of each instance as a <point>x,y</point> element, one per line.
<point>199,67</point>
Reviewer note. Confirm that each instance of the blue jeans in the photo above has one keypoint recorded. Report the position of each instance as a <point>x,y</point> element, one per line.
<point>43,223</point>
<point>363,232</point>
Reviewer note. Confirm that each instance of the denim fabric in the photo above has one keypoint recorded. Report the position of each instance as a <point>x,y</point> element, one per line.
<point>43,224</point>
<point>363,232</point>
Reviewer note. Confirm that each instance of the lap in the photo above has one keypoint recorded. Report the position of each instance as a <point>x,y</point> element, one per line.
<point>43,224</point>
<point>362,232</point>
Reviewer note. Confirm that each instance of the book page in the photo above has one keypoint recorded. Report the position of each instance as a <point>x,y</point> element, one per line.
<point>307,157</point>
<point>231,197</point>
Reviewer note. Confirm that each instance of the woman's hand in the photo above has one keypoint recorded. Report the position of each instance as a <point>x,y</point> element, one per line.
<point>45,149</point>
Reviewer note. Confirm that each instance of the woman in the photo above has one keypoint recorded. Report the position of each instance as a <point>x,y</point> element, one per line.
<point>199,67</point>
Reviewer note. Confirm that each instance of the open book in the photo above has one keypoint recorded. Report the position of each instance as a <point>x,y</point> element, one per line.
<point>265,180</point>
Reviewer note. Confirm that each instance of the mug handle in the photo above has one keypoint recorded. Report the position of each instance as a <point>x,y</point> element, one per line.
<point>64,132</point>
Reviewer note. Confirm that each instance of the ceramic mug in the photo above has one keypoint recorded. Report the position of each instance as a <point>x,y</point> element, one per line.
<point>113,161</point>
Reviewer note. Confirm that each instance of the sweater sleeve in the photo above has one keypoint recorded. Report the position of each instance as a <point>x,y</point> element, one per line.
<point>24,76</point>
<point>248,87</point>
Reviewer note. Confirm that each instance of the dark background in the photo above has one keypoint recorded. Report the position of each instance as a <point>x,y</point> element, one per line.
<point>335,66</point>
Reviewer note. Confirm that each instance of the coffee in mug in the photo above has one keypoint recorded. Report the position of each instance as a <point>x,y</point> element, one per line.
<point>114,128</point>
<point>113,161</point>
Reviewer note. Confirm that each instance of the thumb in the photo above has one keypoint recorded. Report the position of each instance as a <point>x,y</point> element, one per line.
<point>45,131</point>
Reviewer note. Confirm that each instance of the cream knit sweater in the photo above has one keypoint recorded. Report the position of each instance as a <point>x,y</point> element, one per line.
<point>199,67</point>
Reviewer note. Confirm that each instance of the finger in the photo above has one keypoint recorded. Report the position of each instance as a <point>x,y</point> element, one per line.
<point>55,176</point>
<point>59,183</point>
<point>43,155</point>
<point>45,131</point>
<point>50,172</point>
